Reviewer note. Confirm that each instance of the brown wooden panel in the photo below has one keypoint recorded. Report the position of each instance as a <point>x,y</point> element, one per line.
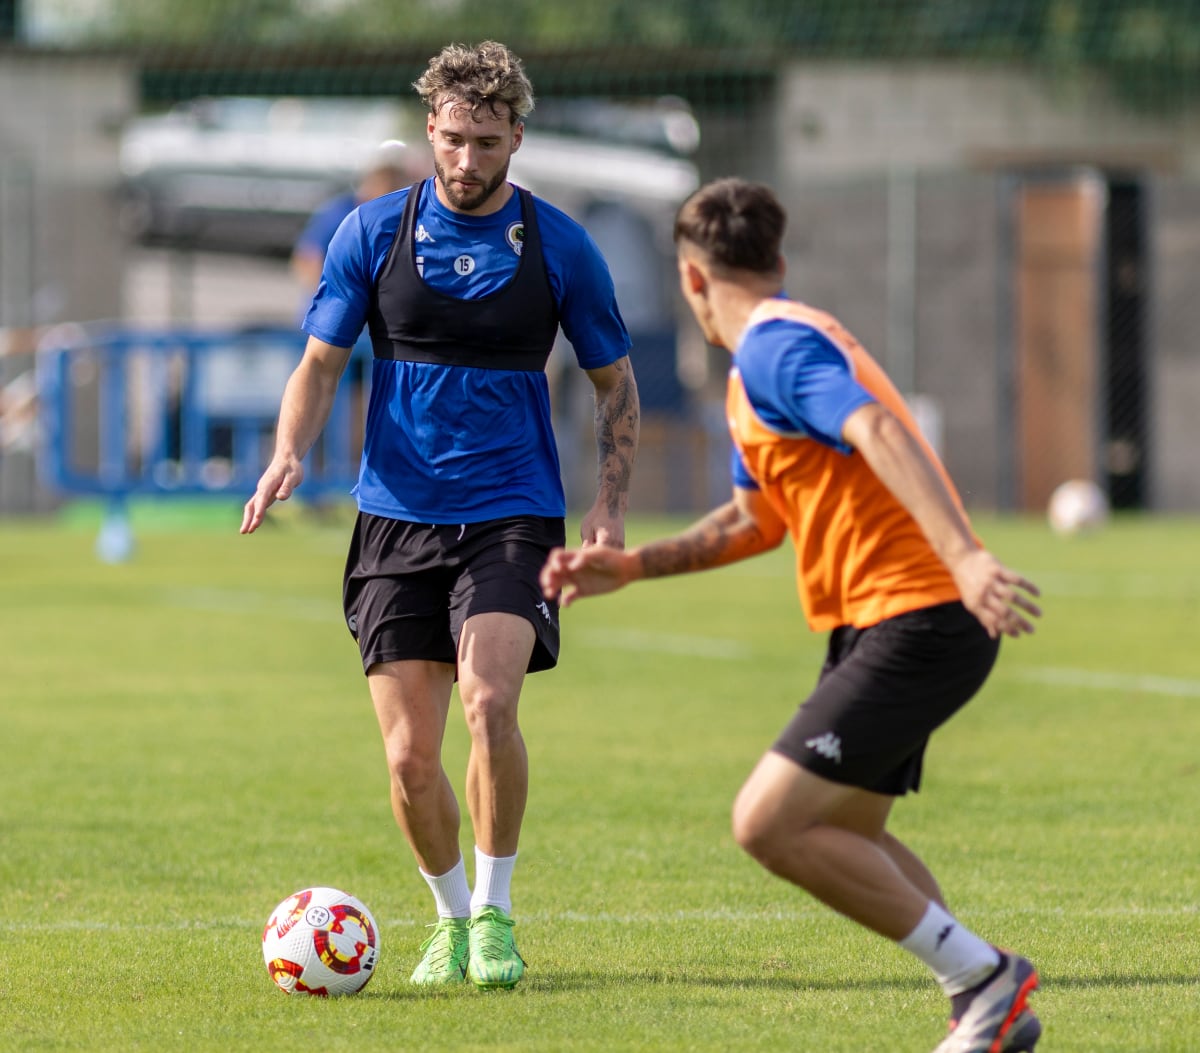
<point>1059,232</point>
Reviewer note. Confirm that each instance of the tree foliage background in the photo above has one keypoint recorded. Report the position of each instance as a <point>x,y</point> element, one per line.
<point>1148,50</point>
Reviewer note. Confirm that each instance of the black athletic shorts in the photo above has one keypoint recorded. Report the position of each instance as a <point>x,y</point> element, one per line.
<point>409,587</point>
<point>882,692</point>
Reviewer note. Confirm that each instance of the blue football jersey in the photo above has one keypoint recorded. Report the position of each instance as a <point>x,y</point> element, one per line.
<point>455,443</point>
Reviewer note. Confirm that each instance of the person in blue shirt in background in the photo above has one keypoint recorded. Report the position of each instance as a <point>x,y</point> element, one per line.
<point>391,166</point>
<point>463,281</point>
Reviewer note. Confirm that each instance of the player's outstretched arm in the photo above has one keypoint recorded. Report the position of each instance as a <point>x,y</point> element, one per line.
<point>997,596</point>
<point>618,422</point>
<point>743,527</point>
<point>307,401</point>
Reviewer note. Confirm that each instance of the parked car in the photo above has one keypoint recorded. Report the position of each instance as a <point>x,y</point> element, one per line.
<point>245,173</point>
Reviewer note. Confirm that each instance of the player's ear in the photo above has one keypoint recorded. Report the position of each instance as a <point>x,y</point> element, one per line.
<point>518,136</point>
<point>694,280</point>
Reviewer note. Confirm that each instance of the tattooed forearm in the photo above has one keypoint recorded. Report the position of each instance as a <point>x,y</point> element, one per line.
<point>723,536</point>
<point>618,420</point>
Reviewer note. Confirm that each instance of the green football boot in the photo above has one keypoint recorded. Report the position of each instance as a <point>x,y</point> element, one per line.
<point>493,960</point>
<point>445,960</point>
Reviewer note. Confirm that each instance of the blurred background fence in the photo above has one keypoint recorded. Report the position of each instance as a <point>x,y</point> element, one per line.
<point>1001,198</point>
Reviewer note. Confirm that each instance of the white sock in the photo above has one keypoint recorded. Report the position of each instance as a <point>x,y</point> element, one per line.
<point>493,879</point>
<point>450,891</point>
<point>959,959</point>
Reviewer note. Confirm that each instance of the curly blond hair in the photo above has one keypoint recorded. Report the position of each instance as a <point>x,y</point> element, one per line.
<point>488,76</point>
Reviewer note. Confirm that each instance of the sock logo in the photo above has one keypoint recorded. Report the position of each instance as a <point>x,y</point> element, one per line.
<point>942,937</point>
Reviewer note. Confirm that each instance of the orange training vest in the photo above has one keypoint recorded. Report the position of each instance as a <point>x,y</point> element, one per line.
<point>860,556</point>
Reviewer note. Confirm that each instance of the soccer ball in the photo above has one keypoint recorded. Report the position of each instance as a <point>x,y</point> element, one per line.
<point>1076,506</point>
<point>321,941</point>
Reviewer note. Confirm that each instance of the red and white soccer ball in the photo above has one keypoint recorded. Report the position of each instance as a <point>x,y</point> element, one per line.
<point>1076,507</point>
<point>321,941</point>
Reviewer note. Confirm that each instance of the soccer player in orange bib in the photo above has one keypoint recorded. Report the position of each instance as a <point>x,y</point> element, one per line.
<point>826,451</point>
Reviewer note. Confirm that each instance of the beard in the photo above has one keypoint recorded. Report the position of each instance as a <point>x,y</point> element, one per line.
<point>476,197</point>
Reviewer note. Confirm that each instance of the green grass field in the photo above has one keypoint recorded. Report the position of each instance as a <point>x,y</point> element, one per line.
<point>187,739</point>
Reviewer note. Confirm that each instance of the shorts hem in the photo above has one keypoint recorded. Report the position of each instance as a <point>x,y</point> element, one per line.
<point>376,659</point>
<point>857,783</point>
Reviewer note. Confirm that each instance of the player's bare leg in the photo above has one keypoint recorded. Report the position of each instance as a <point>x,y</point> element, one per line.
<point>412,701</point>
<point>785,818</point>
<point>829,839</point>
<point>867,814</point>
<point>912,867</point>
<point>493,654</point>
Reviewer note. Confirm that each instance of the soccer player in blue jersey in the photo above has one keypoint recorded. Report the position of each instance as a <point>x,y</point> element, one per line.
<point>463,280</point>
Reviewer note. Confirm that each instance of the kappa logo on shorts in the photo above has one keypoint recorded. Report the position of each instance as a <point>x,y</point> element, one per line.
<point>352,623</point>
<point>545,609</point>
<point>828,746</point>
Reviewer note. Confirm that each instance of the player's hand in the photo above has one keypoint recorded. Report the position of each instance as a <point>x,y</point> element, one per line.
<point>570,574</point>
<point>997,596</point>
<point>278,483</point>
<point>601,526</point>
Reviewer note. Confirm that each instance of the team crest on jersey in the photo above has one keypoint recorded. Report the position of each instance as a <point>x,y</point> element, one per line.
<point>515,236</point>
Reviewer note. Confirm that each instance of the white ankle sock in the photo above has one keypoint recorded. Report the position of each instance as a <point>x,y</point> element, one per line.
<point>450,891</point>
<point>493,880</point>
<point>959,959</point>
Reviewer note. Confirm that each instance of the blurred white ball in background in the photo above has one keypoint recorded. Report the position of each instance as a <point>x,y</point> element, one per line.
<point>1077,506</point>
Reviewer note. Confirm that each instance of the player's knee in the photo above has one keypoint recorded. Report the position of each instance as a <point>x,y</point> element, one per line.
<point>415,771</point>
<point>491,714</point>
<point>755,827</point>
<point>771,832</point>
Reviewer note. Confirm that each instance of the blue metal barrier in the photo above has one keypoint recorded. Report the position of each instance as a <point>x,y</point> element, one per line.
<point>129,412</point>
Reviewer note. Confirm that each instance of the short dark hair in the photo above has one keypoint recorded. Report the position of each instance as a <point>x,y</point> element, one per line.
<point>487,76</point>
<point>737,223</point>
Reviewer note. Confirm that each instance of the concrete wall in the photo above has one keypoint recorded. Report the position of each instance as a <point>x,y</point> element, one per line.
<point>924,304</point>
<point>60,248</point>
<point>881,164</point>
<point>1175,313</point>
<point>61,251</point>
<point>854,118</point>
